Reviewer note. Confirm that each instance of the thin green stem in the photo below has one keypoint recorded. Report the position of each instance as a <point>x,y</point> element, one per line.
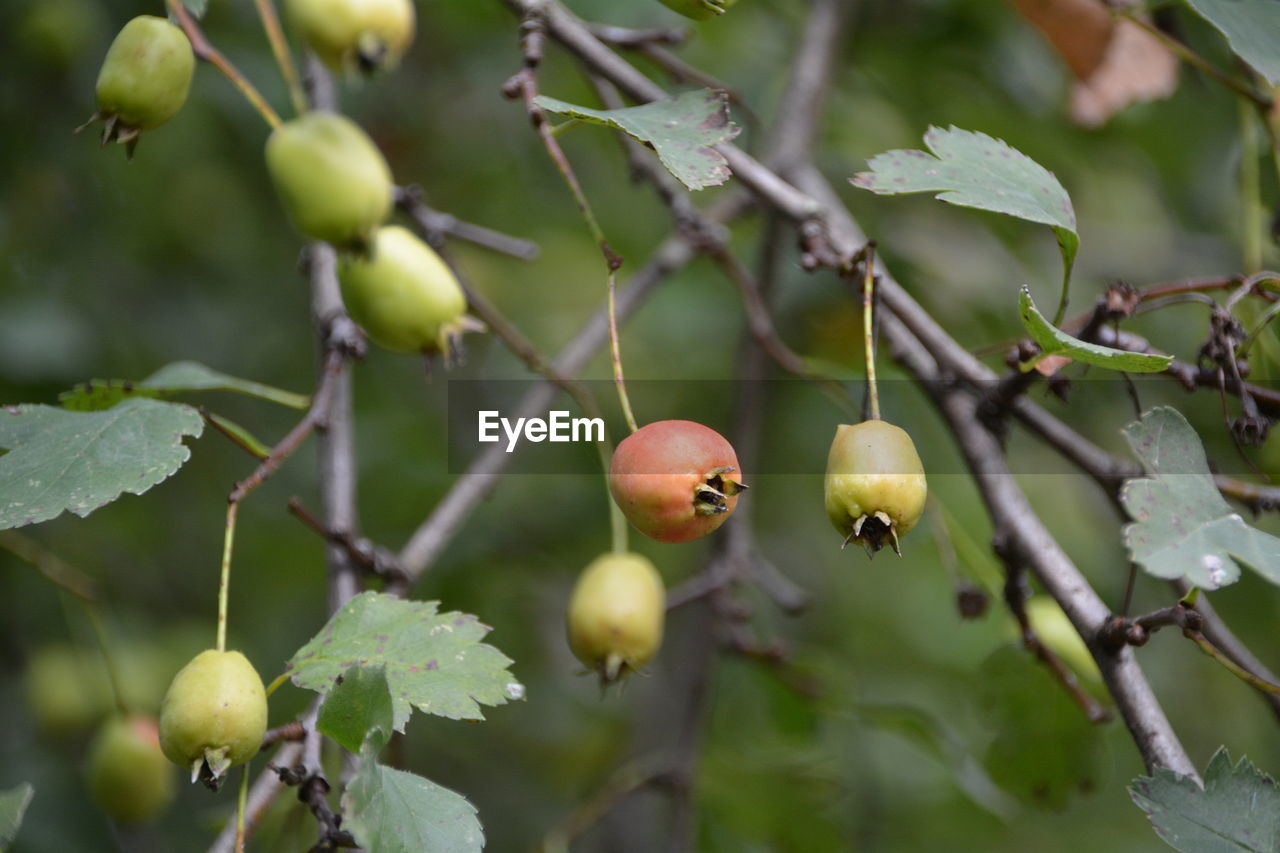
<point>1273,310</point>
<point>224,582</point>
<point>278,682</point>
<point>210,54</point>
<point>113,670</point>
<point>284,59</point>
<point>241,800</point>
<point>868,329</point>
<point>1250,191</point>
<point>615,351</point>
<point>617,521</point>
<point>1063,298</point>
<point>1236,670</point>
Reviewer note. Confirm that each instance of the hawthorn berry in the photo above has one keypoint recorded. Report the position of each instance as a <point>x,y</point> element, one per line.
<point>616,614</point>
<point>144,79</point>
<point>214,715</point>
<point>333,181</point>
<point>364,35</point>
<point>875,485</point>
<point>66,693</point>
<point>129,777</point>
<point>405,296</point>
<point>675,480</point>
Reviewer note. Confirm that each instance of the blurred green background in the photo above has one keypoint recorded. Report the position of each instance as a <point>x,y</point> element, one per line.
<point>113,269</point>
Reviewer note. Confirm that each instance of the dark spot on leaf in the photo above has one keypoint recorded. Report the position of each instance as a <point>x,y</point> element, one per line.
<point>431,664</point>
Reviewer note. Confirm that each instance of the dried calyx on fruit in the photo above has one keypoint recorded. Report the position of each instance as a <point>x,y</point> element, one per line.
<point>675,480</point>
<point>406,297</point>
<point>355,35</point>
<point>129,777</point>
<point>214,715</point>
<point>875,485</point>
<point>616,615</point>
<point>333,181</point>
<point>144,80</point>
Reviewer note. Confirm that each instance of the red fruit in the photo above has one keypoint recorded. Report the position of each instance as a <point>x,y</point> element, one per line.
<point>672,480</point>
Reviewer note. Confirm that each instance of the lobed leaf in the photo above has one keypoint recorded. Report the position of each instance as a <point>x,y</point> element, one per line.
<point>79,461</point>
<point>1237,810</point>
<point>683,131</point>
<point>1182,527</point>
<point>392,811</point>
<point>434,661</point>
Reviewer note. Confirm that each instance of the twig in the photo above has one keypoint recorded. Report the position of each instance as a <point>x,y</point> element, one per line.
<point>1015,596</point>
<point>436,225</point>
<point>210,54</point>
<point>291,731</point>
<point>372,558</point>
<point>319,413</point>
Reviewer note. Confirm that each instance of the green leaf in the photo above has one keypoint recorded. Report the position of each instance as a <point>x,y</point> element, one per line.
<point>79,461</point>
<point>1237,810</point>
<point>177,378</point>
<point>1182,527</point>
<point>971,169</point>
<point>1045,749</point>
<point>1252,28</point>
<point>358,709</point>
<point>391,811</point>
<point>13,805</point>
<point>682,130</point>
<point>434,662</point>
<point>1054,341</point>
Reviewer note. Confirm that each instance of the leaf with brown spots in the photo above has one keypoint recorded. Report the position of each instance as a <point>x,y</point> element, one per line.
<point>434,661</point>
<point>683,130</point>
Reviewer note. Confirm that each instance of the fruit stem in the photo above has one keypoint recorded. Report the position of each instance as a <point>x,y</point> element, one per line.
<point>224,582</point>
<point>868,328</point>
<point>277,683</point>
<point>210,54</point>
<point>617,521</point>
<point>615,353</point>
<point>241,799</point>
<point>284,59</point>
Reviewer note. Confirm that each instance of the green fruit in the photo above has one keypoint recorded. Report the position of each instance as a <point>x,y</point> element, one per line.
<point>214,715</point>
<point>355,34</point>
<point>333,181</point>
<point>144,79</point>
<point>616,614</point>
<point>1054,629</point>
<point>875,486</point>
<point>129,777</point>
<point>65,691</point>
<point>404,295</point>
<point>699,10</point>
